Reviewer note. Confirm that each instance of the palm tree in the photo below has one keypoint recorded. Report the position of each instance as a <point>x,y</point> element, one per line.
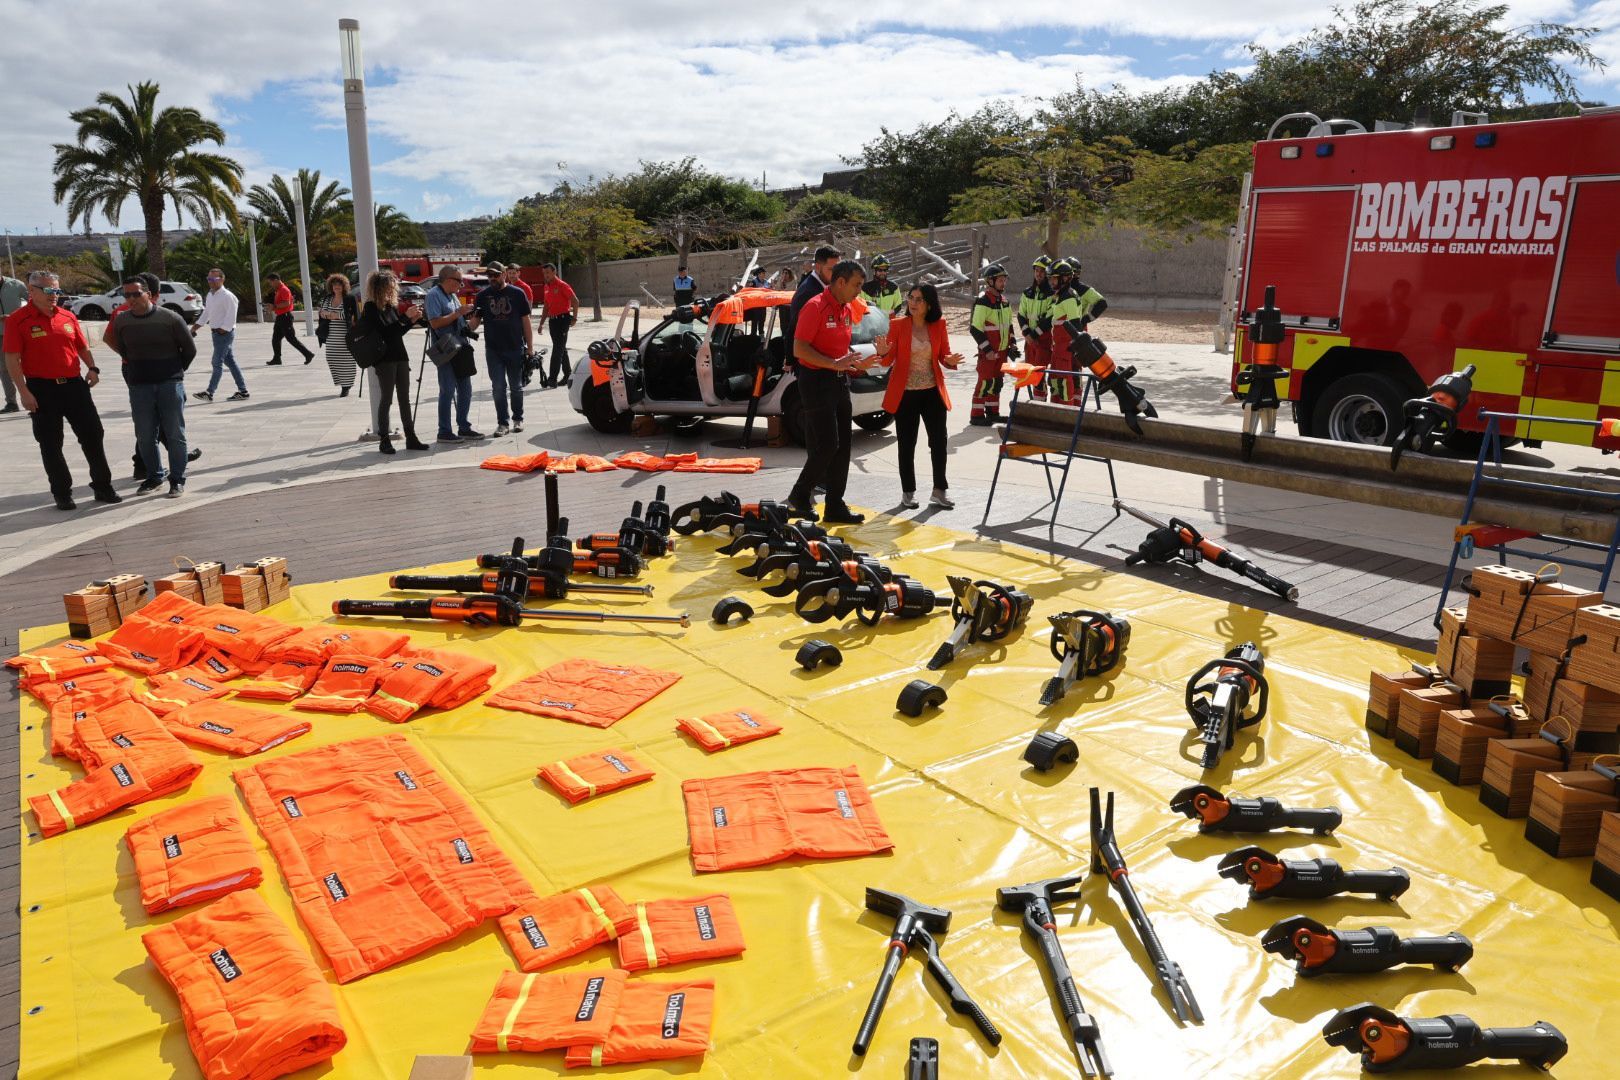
<point>395,229</point>
<point>275,202</point>
<point>100,267</point>
<point>131,149</point>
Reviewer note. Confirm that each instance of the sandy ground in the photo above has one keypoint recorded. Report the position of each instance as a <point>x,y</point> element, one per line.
<point>1153,328</point>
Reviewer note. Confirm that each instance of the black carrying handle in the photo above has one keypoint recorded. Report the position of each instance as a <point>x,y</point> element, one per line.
<point>880,996</point>
<point>1541,1044</point>
<point>1317,819</point>
<point>1386,884</point>
<point>1450,951</point>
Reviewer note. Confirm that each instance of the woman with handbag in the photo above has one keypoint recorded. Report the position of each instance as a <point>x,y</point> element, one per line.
<point>333,331</point>
<point>919,352</point>
<point>448,348</point>
<point>379,341</point>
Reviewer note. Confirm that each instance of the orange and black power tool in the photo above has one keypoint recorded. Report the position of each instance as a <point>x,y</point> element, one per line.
<point>1390,1043</point>
<point>869,591</point>
<point>559,558</point>
<point>1091,354</point>
<point>496,610</point>
<point>1084,643</point>
<point>1218,697</point>
<point>1178,540</point>
<point>984,611</point>
<point>541,586</point>
<point>1432,417</point>
<point>1256,382</point>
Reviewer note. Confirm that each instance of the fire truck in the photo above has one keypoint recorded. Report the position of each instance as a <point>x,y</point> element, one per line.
<point>1401,254</point>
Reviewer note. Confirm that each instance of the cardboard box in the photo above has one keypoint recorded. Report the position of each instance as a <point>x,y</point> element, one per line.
<point>441,1067</point>
<point>1513,606</point>
<point>1459,743</point>
<point>1566,811</point>
<point>1419,718</point>
<point>1596,661</point>
<point>1606,864</point>
<point>1383,698</point>
<point>1510,769</point>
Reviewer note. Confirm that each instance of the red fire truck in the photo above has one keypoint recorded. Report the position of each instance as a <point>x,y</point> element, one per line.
<point>1401,255</point>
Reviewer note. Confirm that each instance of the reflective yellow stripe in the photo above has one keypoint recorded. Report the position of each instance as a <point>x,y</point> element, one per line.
<point>45,666</point>
<point>574,776</point>
<point>612,931</point>
<point>710,728</point>
<point>61,808</point>
<point>646,936</point>
<point>511,1017</point>
<point>412,705</point>
<point>596,1055</point>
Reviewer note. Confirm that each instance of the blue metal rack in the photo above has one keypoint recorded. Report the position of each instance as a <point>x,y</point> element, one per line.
<point>1490,453</point>
<point>1058,461</point>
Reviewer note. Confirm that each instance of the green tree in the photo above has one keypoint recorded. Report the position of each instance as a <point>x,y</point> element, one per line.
<point>1190,191</point>
<point>98,265</point>
<point>508,237</point>
<point>131,149</point>
<point>588,223</point>
<point>228,249</point>
<point>395,229</point>
<point>692,209</point>
<point>276,202</point>
<point>1045,171</point>
<point>828,214</point>
<point>914,175</point>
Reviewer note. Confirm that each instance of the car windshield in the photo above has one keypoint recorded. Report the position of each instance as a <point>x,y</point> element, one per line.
<point>871,326</point>
<point>675,328</point>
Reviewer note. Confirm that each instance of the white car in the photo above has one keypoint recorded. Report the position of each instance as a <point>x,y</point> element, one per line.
<point>177,296</point>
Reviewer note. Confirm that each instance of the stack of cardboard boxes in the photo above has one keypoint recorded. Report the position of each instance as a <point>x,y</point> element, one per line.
<point>102,606</point>
<point>200,583</point>
<point>256,585</point>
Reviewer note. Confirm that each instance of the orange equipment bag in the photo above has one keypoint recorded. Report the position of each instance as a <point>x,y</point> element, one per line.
<point>255,1004</point>
<point>244,634</point>
<point>656,1021</point>
<point>344,684</point>
<point>429,678</point>
<point>96,683</point>
<point>147,646</point>
<point>524,464</point>
<point>69,710</point>
<point>761,817</point>
<point>716,731</point>
<point>54,663</point>
<point>235,729</point>
<point>127,731</point>
<point>282,681</point>
<point>548,1012</point>
<point>542,931</point>
<point>721,465</point>
<point>96,794</point>
<point>585,691</point>
<point>580,778</point>
<point>383,858</point>
<point>669,932</point>
<point>192,853</point>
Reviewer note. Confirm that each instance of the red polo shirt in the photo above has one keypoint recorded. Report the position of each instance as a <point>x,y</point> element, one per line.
<point>284,300</point>
<point>825,324</point>
<point>49,344</point>
<point>559,297</point>
<point>523,287</point>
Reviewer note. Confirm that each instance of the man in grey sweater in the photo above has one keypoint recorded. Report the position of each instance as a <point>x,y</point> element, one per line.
<point>157,349</point>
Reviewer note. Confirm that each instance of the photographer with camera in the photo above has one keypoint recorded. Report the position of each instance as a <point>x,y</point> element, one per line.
<point>449,333</point>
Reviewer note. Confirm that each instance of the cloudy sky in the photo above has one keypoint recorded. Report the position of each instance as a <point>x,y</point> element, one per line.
<point>472,106</point>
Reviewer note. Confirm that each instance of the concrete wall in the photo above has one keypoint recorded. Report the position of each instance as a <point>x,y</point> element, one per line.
<point>1117,260</point>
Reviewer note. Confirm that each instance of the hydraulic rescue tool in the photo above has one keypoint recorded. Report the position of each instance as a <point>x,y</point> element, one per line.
<point>633,536</point>
<point>811,560</point>
<point>1390,1043</point>
<point>559,556</point>
<point>1234,814</point>
<point>789,540</point>
<point>1219,707</point>
<point>914,927</point>
<point>1270,877</point>
<point>1316,950</point>
<point>1084,643</point>
<point>984,611</point>
<point>1091,354</point>
<point>1175,540</point>
<point>496,610</point>
<point>1034,903</point>
<point>730,513</point>
<point>1435,416</point>
<point>657,521</point>
<point>699,516</point>
<point>1106,858</point>
<point>869,591</point>
<point>539,582</point>
<point>1256,381</point>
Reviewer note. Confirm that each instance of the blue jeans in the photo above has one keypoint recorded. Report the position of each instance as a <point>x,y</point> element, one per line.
<point>458,390</point>
<point>160,406</point>
<point>225,357</point>
<point>506,376</point>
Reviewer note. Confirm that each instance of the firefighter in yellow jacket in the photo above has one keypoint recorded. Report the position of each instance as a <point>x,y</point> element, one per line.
<point>1033,304</point>
<point>991,327</point>
<point>1072,301</point>
<point>880,292</point>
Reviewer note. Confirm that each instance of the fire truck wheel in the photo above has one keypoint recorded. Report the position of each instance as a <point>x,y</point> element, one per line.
<point>1361,408</point>
<point>597,404</point>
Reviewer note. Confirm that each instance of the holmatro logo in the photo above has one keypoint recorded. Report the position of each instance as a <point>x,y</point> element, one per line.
<point>673,1007</point>
<point>224,965</point>
<point>587,1004</point>
<point>1501,215</point>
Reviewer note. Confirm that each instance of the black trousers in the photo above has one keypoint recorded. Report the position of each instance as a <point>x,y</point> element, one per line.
<point>825,397</point>
<point>395,379</point>
<point>284,332</point>
<point>924,405</point>
<point>561,369</point>
<point>71,402</point>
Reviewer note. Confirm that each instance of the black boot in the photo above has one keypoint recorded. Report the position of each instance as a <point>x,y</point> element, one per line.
<point>343,391</point>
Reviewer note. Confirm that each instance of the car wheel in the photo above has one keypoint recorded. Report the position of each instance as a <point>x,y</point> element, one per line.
<point>92,313</point>
<point>597,404</point>
<point>793,416</point>
<point>1364,408</point>
<point>874,421</point>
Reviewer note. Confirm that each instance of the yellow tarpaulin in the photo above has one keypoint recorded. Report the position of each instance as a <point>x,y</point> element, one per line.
<point>966,816</point>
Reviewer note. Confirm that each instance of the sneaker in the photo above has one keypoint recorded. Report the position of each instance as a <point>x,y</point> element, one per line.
<point>65,502</point>
<point>203,395</point>
<point>240,395</point>
<point>941,500</point>
<point>471,434</point>
<point>413,443</point>
<point>386,447</point>
<point>502,429</point>
<point>177,489</point>
<point>449,438</point>
<point>841,515</point>
<point>517,425</point>
<point>107,495</point>
<point>11,407</point>
<point>149,486</point>
<point>908,500</point>
<point>193,455</point>
<point>980,421</point>
<point>273,363</point>
<point>801,510</point>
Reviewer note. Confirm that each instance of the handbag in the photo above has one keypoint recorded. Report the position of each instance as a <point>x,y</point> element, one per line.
<point>444,345</point>
<point>463,364</point>
<point>366,342</point>
<point>323,327</point>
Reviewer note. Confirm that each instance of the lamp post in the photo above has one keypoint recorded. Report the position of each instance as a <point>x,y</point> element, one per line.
<point>354,109</point>
<point>303,258</point>
<point>253,258</point>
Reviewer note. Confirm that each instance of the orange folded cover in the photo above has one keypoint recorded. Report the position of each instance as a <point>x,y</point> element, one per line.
<point>585,691</point>
<point>656,1021</point>
<point>761,817</point>
<point>588,775</point>
<point>235,729</point>
<point>54,663</point>
<point>147,646</point>
<point>543,930</point>
<point>720,730</point>
<point>99,792</point>
<point>548,1012</point>
<point>192,853</point>
<point>669,932</point>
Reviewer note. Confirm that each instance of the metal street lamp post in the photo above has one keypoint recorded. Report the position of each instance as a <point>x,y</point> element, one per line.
<point>354,108</point>
<point>303,260</point>
<point>253,259</point>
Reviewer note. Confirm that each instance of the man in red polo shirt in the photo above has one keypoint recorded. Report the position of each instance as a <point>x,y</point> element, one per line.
<point>282,305</point>
<point>44,348</point>
<point>561,309</point>
<point>821,337</point>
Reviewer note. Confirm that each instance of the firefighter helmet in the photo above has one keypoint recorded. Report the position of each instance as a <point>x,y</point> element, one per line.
<point>1062,268</point>
<point>880,262</point>
<point>993,271</point>
<point>1042,262</point>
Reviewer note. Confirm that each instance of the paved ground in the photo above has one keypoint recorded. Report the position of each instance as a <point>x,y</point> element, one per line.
<point>283,473</point>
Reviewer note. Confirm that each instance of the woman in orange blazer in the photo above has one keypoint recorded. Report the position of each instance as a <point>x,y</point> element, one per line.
<point>919,352</point>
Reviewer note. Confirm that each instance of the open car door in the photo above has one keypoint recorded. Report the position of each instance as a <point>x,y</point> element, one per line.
<point>731,362</point>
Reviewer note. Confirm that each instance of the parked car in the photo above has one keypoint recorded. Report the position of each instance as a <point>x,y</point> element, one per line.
<point>411,292</point>
<point>177,296</point>
<point>702,360</point>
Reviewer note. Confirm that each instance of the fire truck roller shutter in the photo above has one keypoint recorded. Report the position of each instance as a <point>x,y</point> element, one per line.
<point>1303,238</point>
<point>1578,374</point>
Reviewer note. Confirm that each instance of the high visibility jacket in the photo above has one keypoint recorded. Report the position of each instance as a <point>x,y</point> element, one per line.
<point>192,853</point>
<point>429,678</point>
<point>97,682</point>
<point>148,647</point>
<point>196,682</point>
<point>69,660</point>
<point>585,691</point>
<point>282,681</point>
<point>761,817</point>
<point>543,930</point>
<point>383,858</point>
<point>886,297</point>
<point>580,778</point>
<point>344,684</point>
<point>717,731</point>
<point>991,324</point>
<point>668,932</point>
<point>99,792</point>
<point>548,1012</point>
<point>68,711</point>
<point>127,731</point>
<point>244,634</point>
<point>656,1021</point>
<point>1033,303</point>
<point>254,1003</point>
<point>235,729</point>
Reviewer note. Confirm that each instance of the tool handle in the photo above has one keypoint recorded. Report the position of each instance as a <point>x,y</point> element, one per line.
<point>1450,951</point>
<point>446,582</point>
<point>611,590</point>
<point>960,1001</point>
<point>1541,1044</point>
<point>396,609</point>
<point>880,997</point>
<point>1269,581</point>
<point>924,1061</point>
<point>1387,884</point>
<point>1320,820</point>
